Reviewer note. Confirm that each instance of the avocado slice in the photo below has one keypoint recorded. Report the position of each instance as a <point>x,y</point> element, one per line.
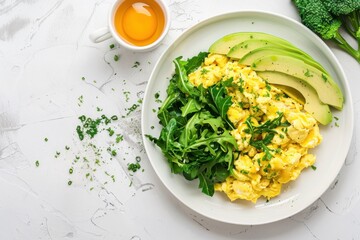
<point>224,44</point>
<point>292,92</point>
<point>252,56</point>
<point>328,91</point>
<point>244,48</point>
<point>301,91</point>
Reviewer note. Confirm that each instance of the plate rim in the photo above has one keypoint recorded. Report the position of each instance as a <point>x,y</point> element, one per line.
<point>329,54</point>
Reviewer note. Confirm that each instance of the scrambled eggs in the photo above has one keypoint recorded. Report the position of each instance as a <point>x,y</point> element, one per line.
<point>257,172</point>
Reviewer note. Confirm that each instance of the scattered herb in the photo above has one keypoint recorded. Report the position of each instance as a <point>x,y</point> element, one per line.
<point>313,167</point>
<point>136,64</point>
<point>204,71</point>
<point>80,133</point>
<point>46,139</point>
<point>81,100</point>
<point>91,126</point>
<point>112,46</point>
<point>324,77</point>
<point>132,108</point>
<point>97,162</point>
<point>119,138</point>
<point>69,183</point>
<point>307,73</point>
<point>116,58</point>
<point>37,163</point>
<point>134,167</point>
<point>266,169</point>
<point>111,132</point>
<point>244,171</point>
<point>127,94</point>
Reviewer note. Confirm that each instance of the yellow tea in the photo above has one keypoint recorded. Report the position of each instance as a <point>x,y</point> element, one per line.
<point>139,22</point>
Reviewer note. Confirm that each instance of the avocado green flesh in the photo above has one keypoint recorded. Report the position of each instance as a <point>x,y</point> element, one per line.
<point>254,55</point>
<point>328,91</point>
<point>293,87</point>
<point>243,48</point>
<point>224,44</point>
<point>292,92</point>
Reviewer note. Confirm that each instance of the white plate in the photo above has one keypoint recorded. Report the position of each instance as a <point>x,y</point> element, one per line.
<point>295,196</point>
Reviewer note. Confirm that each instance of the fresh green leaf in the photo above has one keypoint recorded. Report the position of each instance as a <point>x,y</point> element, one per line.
<point>206,185</point>
<point>191,106</point>
<point>222,102</point>
<point>195,62</point>
<point>183,82</point>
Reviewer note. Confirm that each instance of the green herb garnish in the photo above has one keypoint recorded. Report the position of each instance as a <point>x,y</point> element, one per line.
<point>134,167</point>
<point>136,64</point>
<point>262,135</point>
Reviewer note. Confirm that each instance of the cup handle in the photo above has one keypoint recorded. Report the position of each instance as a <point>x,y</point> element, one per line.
<point>100,35</point>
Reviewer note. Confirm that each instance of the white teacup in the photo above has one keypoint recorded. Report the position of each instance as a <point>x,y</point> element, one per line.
<point>154,10</point>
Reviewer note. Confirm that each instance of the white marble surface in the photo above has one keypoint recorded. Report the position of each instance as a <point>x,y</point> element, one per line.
<point>44,54</point>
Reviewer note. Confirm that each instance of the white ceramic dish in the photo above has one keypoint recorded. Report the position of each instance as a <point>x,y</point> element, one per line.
<point>295,196</point>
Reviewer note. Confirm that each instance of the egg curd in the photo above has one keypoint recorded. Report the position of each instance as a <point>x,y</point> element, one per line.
<point>257,172</point>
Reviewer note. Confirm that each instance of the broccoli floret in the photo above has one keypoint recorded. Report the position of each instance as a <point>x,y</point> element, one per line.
<point>316,16</point>
<point>348,11</point>
<point>341,7</point>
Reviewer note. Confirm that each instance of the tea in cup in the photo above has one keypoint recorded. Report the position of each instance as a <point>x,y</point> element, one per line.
<point>138,25</point>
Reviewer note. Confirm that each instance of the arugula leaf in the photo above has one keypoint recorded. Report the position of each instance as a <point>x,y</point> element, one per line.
<point>195,62</point>
<point>190,107</point>
<point>222,102</point>
<point>182,79</point>
<point>206,185</point>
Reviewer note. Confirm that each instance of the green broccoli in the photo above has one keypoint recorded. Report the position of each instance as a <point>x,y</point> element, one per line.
<point>319,19</point>
<point>348,12</point>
